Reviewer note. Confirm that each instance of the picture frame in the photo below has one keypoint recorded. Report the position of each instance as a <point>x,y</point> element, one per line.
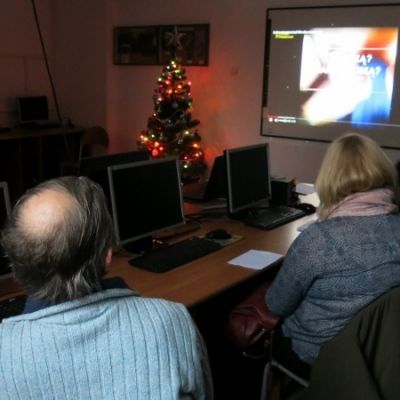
<point>189,42</point>
<point>136,45</point>
<point>157,44</point>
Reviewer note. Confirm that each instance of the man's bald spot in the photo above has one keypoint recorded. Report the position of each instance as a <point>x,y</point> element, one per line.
<point>45,211</point>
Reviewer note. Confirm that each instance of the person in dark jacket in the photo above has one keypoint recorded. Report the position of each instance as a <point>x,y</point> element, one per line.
<point>362,361</point>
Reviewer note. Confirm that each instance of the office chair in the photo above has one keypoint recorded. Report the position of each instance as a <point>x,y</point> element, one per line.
<point>94,142</point>
<point>282,359</point>
<point>252,328</point>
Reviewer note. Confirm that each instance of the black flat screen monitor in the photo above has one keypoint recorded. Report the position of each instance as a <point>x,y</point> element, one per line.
<point>32,109</point>
<point>248,177</point>
<point>95,168</point>
<point>5,210</point>
<point>333,69</point>
<point>216,187</point>
<point>213,188</point>
<point>146,198</point>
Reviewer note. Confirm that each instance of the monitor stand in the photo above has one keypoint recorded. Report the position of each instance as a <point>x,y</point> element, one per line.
<point>150,243</point>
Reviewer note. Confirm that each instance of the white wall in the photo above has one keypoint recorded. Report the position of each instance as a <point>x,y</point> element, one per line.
<point>22,69</point>
<point>91,90</point>
<point>227,93</point>
<point>81,35</point>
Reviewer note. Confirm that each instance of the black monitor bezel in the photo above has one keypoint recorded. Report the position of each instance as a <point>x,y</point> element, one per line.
<point>227,154</point>
<point>96,166</point>
<point>101,163</point>
<point>112,168</point>
<point>6,197</point>
<point>20,107</point>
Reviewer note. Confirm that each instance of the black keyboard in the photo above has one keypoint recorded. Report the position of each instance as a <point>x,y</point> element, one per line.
<point>273,217</point>
<point>13,306</point>
<point>179,253</point>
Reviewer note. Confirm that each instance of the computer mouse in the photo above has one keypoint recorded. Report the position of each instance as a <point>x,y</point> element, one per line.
<point>306,207</point>
<point>219,234</point>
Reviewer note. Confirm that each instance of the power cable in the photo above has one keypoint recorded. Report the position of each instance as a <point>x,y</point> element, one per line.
<point>53,89</point>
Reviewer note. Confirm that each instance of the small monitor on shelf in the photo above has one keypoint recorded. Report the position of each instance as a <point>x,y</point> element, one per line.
<point>5,210</point>
<point>32,109</point>
<point>146,198</point>
<point>248,177</point>
<point>95,168</point>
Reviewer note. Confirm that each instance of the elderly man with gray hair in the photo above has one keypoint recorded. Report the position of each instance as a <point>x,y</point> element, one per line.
<point>82,336</point>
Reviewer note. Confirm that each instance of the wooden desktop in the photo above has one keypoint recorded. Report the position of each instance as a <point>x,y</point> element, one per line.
<point>199,281</point>
<point>204,278</point>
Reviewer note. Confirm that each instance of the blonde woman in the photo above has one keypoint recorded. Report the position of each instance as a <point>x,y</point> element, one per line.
<point>350,256</point>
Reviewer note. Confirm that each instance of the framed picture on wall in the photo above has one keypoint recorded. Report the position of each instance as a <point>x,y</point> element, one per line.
<point>136,45</point>
<point>188,42</point>
<point>156,45</point>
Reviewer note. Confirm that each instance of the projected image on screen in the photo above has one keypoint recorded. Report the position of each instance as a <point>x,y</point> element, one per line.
<point>350,72</point>
<point>331,70</point>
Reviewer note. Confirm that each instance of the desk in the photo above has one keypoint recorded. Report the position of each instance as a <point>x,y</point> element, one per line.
<point>203,285</point>
<point>30,156</point>
<point>198,281</point>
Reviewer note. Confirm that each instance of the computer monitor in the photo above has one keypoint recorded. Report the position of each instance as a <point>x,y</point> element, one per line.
<point>95,168</point>
<point>248,177</point>
<point>5,210</point>
<point>32,109</point>
<point>146,198</point>
<point>213,188</point>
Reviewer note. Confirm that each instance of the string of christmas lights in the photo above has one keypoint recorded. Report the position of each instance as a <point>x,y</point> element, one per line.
<point>170,129</point>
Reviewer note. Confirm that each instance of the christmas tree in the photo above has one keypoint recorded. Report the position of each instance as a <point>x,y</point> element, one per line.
<point>171,129</point>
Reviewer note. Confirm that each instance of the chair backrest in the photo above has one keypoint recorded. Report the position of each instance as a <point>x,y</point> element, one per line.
<point>94,142</point>
<point>363,360</point>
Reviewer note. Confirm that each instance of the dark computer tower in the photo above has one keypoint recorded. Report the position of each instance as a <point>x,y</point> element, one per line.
<point>282,192</point>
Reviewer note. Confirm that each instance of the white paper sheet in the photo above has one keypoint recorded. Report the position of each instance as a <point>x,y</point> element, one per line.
<point>255,259</point>
<point>305,188</point>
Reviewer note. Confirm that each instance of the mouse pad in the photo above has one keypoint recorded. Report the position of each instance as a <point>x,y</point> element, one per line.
<point>226,242</point>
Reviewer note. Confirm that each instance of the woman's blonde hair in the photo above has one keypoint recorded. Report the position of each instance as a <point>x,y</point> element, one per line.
<point>353,163</point>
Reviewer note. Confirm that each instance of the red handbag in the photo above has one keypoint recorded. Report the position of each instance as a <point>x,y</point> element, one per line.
<point>251,324</point>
